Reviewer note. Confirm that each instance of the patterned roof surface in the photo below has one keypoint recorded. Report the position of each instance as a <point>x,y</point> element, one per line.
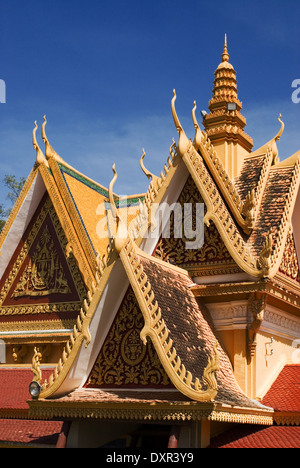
<point>24,431</point>
<point>284,394</point>
<point>92,205</point>
<point>14,394</point>
<point>191,329</point>
<point>14,383</point>
<point>249,436</point>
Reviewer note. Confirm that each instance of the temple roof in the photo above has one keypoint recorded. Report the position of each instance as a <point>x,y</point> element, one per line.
<point>111,243</point>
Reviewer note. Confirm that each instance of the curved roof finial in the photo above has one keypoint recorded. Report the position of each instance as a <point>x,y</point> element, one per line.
<point>121,235</point>
<point>198,133</point>
<point>40,158</point>
<point>110,193</point>
<point>147,173</point>
<point>49,150</point>
<point>174,113</point>
<point>225,55</point>
<point>277,138</point>
<point>183,141</point>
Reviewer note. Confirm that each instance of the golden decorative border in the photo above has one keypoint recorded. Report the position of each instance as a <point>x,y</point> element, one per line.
<point>141,411</point>
<point>46,209</point>
<point>157,330</point>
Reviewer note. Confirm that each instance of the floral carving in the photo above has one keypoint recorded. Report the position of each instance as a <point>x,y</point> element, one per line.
<point>213,253</point>
<point>124,360</point>
<point>289,264</point>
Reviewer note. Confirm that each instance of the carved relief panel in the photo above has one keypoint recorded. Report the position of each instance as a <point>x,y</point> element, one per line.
<point>212,258</point>
<point>124,360</point>
<point>40,279</point>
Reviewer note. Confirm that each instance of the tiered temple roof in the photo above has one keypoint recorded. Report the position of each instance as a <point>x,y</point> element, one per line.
<point>141,341</point>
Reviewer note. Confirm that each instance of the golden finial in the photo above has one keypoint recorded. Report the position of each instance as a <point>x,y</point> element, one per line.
<point>225,55</point>
<point>147,173</point>
<point>50,152</point>
<point>183,141</point>
<point>39,154</point>
<point>121,230</point>
<point>36,366</point>
<point>197,138</point>
<point>277,138</point>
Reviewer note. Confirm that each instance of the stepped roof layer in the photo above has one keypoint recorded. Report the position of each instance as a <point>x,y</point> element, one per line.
<point>253,217</point>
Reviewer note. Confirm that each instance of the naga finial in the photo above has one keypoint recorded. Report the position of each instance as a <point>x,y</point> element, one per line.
<point>198,133</point>
<point>40,158</point>
<point>110,192</point>
<point>183,141</point>
<point>277,138</point>
<point>121,230</point>
<point>174,113</point>
<point>147,173</point>
<point>36,366</point>
<point>50,152</point>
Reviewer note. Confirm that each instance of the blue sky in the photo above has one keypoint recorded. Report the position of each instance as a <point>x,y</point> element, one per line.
<point>103,73</point>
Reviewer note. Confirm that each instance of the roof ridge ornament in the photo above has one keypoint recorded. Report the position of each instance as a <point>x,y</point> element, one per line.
<point>121,235</point>
<point>147,173</point>
<point>183,142</point>
<point>198,133</point>
<point>40,157</point>
<point>50,152</point>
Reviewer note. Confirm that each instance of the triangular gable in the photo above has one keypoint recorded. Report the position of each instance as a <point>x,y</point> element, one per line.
<point>40,278</point>
<point>212,257</point>
<point>124,361</point>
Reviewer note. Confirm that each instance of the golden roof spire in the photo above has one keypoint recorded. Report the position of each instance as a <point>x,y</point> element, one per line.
<point>225,55</point>
<point>225,124</point>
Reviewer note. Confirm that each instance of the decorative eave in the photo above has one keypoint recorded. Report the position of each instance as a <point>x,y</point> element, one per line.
<point>79,405</point>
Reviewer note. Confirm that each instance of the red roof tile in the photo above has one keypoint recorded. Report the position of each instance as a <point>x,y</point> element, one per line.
<point>23,431</point>
<point>249,436</point>
<point>14,383</point>
<point>284,395</point>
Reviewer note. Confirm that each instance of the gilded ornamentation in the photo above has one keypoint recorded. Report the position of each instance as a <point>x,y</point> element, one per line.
<point>289,264</point>
<point>212,253</point>
<point>44,274</point>
<point>257,310</point>
<point>124,360</point>
<point>42,271</point>
<point>18,353</point>
<point>36,366</point>
<point>156,329</point>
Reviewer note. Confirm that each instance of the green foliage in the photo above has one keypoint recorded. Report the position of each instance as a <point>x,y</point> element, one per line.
<point>14,186</point>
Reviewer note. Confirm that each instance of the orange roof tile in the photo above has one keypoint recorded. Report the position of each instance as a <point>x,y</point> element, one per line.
<point>284,394</point>
<point>24,431</point>
<point>249,436</point>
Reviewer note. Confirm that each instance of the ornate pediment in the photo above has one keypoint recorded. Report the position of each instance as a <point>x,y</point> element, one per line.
<point>124,361</point>
<point>212,258</point>
<point>40,278</point>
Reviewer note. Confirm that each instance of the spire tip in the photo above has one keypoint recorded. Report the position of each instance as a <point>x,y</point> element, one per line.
<point>225,55</point>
